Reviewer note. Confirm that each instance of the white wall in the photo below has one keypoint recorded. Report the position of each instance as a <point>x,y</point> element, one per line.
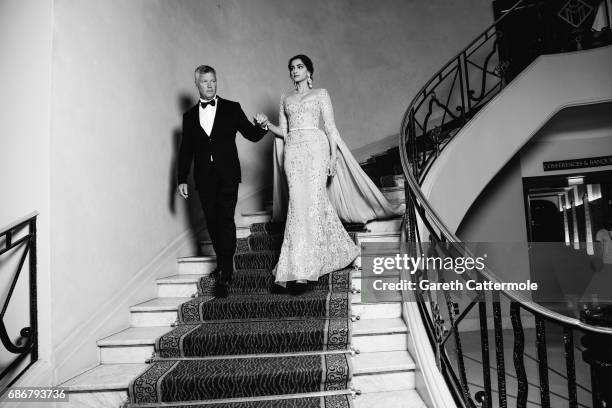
<point>25,81</point>
<point>497,217</point>
<point>574,133</point>
<point>122,75</point>
<point>498,213</point>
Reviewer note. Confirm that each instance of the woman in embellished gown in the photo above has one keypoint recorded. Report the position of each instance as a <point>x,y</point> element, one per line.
<point>315,241</point>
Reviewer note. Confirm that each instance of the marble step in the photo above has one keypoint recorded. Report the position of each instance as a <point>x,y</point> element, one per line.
<point>136,344</point>
<point>394,193</point>
<point>93,399</point>
<point>181,285</point>
<point>203,265</point>
<point>105,377</point>
<point>196,265</point>
<point>368,283</point>
<point>374,335</point>
<point>248,218</point>
<point>392,225</point>
<point>379,343</point>
<point>156,312</point>
<point>382,362</point>
<point>390,237</point>
<point>132,345</point>
<point>102,386</point>
<point>206,248</point>
<point>243,231</point>
<point>356,273</point>
<point>396,180</point>
<point>134,354</point>
<point>390,399</point>
<point>163,311</point>
<point>115,376</point>
<point>376,310</point>
<point>384,382</point>
<point>384,237</point>
<point>185,285</point>
<point>358,281</point>
<point>260,212</point>
<point>106,386</point>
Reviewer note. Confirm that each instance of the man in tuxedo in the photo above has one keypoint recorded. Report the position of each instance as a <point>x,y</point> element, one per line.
<point>209,141</point>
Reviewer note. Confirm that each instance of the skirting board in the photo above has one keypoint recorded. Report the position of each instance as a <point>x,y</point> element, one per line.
<point>38,375</point>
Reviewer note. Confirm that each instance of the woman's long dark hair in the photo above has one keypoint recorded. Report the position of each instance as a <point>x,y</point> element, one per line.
<point>306,60</point>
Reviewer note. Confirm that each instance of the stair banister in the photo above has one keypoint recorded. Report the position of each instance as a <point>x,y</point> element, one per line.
<point>420,144</point>
<point>13,238</point>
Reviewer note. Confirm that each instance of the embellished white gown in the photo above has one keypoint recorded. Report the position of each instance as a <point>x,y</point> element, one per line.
<point>315,241</point>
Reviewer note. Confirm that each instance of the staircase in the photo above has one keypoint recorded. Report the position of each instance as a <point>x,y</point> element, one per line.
<point>381,371</point>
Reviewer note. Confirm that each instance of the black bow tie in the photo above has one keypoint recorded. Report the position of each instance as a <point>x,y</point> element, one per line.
<point>205,104</point>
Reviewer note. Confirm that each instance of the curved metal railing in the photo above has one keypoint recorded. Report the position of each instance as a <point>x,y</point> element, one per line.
<point>440,109</point>
<point>18,236</point>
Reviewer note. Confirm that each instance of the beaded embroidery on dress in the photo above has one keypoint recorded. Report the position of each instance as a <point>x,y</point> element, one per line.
<point>315,241</point>
<point>354,196</point>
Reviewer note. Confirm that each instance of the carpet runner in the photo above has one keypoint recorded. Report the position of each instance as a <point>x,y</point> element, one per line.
<point>260,347</point>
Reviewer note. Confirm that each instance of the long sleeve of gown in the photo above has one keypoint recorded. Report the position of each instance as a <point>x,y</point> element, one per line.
<point>280,193</point>
<point>327,112</point>
<point>352,193</point>
<point>282,117</point>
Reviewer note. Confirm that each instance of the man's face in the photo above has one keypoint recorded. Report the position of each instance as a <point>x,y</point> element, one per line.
<point>207,85</point>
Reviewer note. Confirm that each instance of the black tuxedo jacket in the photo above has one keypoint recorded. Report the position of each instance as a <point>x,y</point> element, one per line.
<point>198,147</point>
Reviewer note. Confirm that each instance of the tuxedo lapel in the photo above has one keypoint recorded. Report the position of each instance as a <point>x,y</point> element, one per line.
<point>220,107</point>
<point>196,119</point>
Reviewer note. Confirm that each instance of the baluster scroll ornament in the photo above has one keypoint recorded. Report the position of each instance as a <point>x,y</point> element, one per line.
<point>25,345</point>
<point>440,329</point>
<point>501,69</point>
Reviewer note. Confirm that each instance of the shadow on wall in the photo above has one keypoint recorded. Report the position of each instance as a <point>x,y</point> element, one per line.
<point>194,215</point>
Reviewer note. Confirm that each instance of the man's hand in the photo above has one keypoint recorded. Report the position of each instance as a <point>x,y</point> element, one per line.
<point>261,120</point>
<point>183,190</point>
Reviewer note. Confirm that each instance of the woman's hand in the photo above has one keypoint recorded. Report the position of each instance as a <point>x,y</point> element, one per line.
<point>183,190</point>
<point>261,120</point>
<point>332,167</point>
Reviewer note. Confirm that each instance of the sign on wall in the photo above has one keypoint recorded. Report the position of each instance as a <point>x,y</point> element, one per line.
<point>577,163</point>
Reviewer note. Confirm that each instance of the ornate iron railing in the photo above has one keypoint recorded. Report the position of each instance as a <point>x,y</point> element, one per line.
<point>444,104</point>
<point>16,237</point>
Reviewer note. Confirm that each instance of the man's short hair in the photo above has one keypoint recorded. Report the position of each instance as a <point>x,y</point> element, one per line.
<point>205,69</point>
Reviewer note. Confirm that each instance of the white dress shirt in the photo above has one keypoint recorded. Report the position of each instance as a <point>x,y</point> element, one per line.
<point>207,116</point>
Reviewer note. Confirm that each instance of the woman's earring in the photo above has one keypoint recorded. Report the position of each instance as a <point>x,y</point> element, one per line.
<point>309,82</point>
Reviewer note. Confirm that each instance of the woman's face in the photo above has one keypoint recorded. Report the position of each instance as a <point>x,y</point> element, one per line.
<point>297,70</point>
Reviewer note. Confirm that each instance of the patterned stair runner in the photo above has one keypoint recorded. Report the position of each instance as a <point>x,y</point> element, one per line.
<point>327,401</point>
<point>260,343</point>
<point>261,280</point>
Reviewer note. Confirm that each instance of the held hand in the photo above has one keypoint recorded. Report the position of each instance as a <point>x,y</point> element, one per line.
<point>183,190</point>
<point>333,164</point>
<point>261,120</point>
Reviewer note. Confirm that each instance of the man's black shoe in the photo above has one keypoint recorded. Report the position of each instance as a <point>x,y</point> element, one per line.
<point>221,290</point>
<point>223,278</point>
<point>216,272</point>
<point>295,288</point>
